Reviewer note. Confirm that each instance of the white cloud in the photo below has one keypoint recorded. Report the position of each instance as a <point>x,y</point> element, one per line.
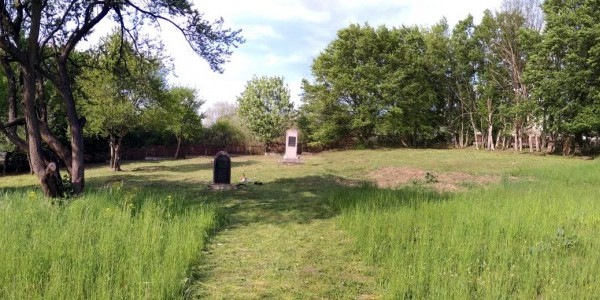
<point>283,36</point>
<point>263,10</point>
<point>274,60</point>
<point>257,32</point>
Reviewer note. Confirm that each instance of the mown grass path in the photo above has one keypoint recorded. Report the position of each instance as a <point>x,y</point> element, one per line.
<point>282,241</point>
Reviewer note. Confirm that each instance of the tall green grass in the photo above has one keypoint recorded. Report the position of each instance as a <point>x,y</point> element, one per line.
<point>533,238</point>
<point>111,244</point>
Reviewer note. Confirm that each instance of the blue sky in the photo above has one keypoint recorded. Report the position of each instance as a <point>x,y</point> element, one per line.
<point>284,36</point>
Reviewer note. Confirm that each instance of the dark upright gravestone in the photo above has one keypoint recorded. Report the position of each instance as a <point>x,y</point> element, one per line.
<point>222,172</point>
<point>222,168</point>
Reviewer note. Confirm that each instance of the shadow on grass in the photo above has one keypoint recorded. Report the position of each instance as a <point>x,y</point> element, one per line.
<point>186,167</point>
<point>288,200</point>
<point>20,189</point>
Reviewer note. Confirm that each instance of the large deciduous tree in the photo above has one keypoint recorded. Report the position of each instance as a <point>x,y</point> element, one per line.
<point>564,71</point>
<point>266,106</point>
<point>183,117</point>
<point>373,83</point>
<point>348,83</point>
<point>40,36</point>
<point>123,83</point>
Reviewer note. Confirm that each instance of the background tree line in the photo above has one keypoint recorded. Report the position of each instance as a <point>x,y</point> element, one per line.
<point>525,71</point>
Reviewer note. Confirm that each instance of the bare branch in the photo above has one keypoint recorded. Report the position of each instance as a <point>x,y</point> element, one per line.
<point>87,26</point>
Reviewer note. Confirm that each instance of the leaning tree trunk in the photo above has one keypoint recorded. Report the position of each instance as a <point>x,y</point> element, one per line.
<point>45,172</point>
<point>77,171</point>
<point>179,138</point>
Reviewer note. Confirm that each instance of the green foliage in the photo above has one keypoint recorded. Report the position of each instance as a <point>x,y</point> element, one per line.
<point>67,186</point>
<point>266,107</point>
<point>120,88</point>
<point>222,133</point>
<point>177,113</point>
<point>371,82</point>
<point>565,65</point>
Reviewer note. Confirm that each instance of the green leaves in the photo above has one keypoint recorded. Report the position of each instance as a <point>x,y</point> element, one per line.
<point>265,105</point>
<point>124,84</point>
<point>183,117</point>
<point>564,69</point>
<point>373,82</point>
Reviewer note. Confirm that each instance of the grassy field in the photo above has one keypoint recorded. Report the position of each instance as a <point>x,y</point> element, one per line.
<point>449,224</point>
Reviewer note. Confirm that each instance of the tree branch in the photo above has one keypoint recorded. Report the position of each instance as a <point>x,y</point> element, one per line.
<point>15,122</point>
<point>89,23</point>
<point>15,139</point>
<point>58,26</point>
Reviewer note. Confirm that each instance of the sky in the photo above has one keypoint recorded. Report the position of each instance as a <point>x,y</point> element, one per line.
<point>284,36</point>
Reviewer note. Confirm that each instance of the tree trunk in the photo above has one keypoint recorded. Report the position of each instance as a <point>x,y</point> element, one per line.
<point>461,137</point>
<point>518,146</point>
<point>490,137</point>
<point>34,140</point>
<point>474,127</point>
<point>63,153</point>
<point>51,181</point>
<point>117,165</point>
<point>567,148</point>
<point>77,171</point>
<point>497,145</point>
<point>475,135</point>
<point>490,133</point>
<point>11,82</point>
<point>455,137</point>
<point>115,153</point>
<point>551,146</point>
<point>10,131</point>
<point>178,146</point>
<point>111,142</point>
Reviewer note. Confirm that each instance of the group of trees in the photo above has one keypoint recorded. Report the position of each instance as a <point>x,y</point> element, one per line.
<point>525,70</point>
<point>43,69</point>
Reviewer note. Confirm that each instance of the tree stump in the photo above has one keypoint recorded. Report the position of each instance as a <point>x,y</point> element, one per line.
<point>51,181</point>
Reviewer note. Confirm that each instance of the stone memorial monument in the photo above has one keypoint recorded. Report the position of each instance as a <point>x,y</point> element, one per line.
<point>291,146</point>
<point>222,172</point>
